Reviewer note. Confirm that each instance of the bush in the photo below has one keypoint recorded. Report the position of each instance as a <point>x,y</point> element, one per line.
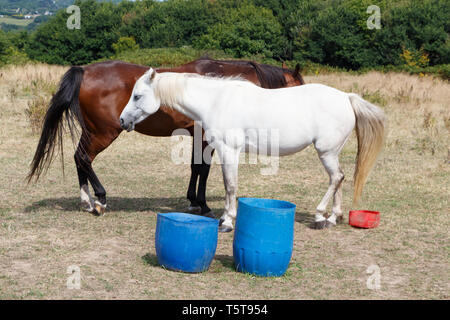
<point>246,31</point>
<point>41,92</point>
<point>9,52</point>
<point>4,44</point>
<point>125,44</point>
<point>336,33</point>
<point>413,34</point>
<point>172,23</point>
<point>54,43</point>
<point>166,57</point>
<point>35,112</point>
<point>417,25</point>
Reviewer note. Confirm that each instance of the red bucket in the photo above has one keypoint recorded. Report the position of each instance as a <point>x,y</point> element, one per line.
<point>364,219</point>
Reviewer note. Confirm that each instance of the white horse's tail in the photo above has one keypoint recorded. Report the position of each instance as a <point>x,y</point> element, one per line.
<point>370,132</point>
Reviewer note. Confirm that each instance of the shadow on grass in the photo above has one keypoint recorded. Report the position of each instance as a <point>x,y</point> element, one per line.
<point>117,204</point>
<point>151,260</point>
<point>305,218</point>
<point>222,263</point>
<point>178,204</point>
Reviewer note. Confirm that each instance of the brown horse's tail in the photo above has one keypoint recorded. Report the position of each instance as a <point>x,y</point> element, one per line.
<point>64,102</point>
<point>370,132</point>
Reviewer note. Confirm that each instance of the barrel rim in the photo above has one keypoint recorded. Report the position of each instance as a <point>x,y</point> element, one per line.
<point>289,205</point>
<point>193,218</point>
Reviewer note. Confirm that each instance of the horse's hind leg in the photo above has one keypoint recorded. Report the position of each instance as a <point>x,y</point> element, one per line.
<point>337,202</point>
<point>83,160</point>
<point>194,207</point>
<point>201,192</point>
<point>87,203</point>
<point>330,161</point>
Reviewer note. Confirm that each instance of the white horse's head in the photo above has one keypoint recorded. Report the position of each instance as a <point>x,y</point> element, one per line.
<point>142,103</point>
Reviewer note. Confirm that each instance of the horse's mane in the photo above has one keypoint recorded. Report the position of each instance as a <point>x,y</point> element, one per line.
<point>270,77</point>
<point>170,86</point>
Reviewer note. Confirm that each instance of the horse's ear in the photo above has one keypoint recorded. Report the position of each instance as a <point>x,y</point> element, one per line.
<point>297,75</point>
<point>150,75</point>
<point>297,70</point>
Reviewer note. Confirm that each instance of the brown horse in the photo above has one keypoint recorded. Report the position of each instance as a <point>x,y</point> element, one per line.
<point>95,96</point>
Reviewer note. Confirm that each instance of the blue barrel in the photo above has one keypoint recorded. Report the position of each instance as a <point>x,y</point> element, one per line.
<point>185,242</point>
<point>263,236</point>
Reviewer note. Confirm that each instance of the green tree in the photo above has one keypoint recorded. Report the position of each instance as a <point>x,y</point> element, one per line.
<point>54,43</point>
<point>172,23</point>
<point>9,52</point>
<point>246,31</point>
<point>4,44</point>
<point>335,32</point>
<point>415,26</point>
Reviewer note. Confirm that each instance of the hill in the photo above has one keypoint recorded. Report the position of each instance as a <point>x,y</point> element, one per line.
<point>34,6</point>
<point>30,6</point>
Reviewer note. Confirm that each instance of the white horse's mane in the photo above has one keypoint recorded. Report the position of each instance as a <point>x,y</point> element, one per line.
<point>170,86</point>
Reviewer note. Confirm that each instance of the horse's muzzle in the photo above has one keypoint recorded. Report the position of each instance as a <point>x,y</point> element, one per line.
<point>126,126</point>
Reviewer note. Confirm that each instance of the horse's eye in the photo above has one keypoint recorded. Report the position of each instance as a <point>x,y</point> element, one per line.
<point>137,97</point>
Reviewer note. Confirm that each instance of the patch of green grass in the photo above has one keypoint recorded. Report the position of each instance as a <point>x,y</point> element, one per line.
<point>375,97</point>
<point>107,285</point>
<point>17,22</point>
<point>35,294</point>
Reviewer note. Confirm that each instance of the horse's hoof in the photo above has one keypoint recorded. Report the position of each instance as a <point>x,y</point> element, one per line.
<point>209,214</point>
<point>100,208</point>
<point>84,206</point>
<point>195,210</point>
<point>340,219</point>
<point>223,228</point>
<point>319,225</point>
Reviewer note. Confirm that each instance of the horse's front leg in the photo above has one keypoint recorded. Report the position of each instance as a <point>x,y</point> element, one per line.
<point>230,163</point>
<point>195,172</point>
<point>201,192</point>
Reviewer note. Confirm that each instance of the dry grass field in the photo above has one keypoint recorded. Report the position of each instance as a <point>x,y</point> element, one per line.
<point>43,232</point>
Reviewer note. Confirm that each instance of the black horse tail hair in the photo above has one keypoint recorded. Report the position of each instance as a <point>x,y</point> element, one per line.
<point>64,102</point>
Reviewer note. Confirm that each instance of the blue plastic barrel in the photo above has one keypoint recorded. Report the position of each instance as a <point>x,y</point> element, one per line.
<point>185,242</point>
<point>263,236</point>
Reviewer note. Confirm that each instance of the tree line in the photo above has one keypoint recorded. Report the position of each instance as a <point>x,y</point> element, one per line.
<point>331,32</point>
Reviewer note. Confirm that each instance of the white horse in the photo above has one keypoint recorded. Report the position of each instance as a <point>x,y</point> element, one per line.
<point>303,115</point>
